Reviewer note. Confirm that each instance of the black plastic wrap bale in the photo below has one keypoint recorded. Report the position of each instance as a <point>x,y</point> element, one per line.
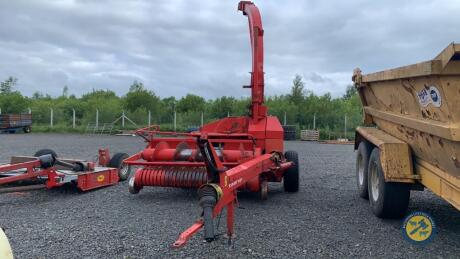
<point>290,132</point>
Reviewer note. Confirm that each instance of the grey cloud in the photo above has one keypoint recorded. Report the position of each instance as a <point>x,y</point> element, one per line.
<point>177,47</point>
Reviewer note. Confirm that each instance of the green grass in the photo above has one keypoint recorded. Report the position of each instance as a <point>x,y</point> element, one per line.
<point>57,129</point>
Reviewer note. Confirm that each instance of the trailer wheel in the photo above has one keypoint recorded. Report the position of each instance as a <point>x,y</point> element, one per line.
<point>387,199</point>
<point>362,165</point>
<point>291,176</point>
<point>45,151</point>
<point>117,162</point>
<point>27,129</point>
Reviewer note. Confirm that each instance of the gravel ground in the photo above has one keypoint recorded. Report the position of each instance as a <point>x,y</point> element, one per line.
<point>325,218</point>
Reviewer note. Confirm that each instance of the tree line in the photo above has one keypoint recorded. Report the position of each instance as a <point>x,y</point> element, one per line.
<point>300,107</point>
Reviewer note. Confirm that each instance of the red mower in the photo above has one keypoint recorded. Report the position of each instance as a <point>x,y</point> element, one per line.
<point>46,167</point>
<point>222,157</point>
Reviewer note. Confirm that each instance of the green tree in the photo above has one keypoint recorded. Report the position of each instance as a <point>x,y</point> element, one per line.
<point>350,92</point>
<point>99,95</point>
<point>37,95</point>
<point>191,102</point>
<point>65,91</point>
<point>106,102</point>
<point>136,86</point>
<point>221,107</point>
<point>297,90</point>
<point>8,85</point>
<point>139,97</point>
<point>13,102</point>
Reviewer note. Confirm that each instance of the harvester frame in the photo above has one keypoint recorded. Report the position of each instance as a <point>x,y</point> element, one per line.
<point>222,157</point>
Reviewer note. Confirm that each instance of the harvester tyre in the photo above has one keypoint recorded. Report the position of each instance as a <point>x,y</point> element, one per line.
<point>362,164</point>
<point>45,151</point>
<point>117,162</point>
<point>291,176</point>
<point>387,199</point>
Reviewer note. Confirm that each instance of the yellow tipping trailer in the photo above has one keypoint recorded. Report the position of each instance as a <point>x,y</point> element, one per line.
<point>411,134</point>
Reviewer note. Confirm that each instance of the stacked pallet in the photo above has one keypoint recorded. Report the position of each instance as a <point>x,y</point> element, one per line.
<point>289,132</point>
<point>309,135</point>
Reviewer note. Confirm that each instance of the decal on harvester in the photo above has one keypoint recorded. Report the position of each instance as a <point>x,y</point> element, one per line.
<point>429,95</point>
<point>419,228</point>
<point>236,182</point>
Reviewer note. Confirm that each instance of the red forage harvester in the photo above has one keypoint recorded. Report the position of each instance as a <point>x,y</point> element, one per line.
<point>222,157</point>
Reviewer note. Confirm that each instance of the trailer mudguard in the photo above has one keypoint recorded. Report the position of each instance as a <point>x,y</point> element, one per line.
<point>395,155</point>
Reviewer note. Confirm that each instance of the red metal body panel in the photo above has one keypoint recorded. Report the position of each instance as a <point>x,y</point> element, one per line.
<point>92,180</point>
<point>28,166</point>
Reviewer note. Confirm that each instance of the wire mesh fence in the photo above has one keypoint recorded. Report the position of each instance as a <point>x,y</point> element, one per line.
<point>116,120</point>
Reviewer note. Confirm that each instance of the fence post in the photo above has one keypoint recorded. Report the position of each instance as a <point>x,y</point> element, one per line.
<point>228,114</point>
<point>97,118</point>
<point>314,121</point>
<point>345,129</point>
<point>150,118</point>
<point>202,118</point>
<point>0,110</point>
<point>73,118</point>
<point>284,119</point>
<point>123,119</point>
<point>51,117</point>
<point>30,110</point>
<point>175,120</point>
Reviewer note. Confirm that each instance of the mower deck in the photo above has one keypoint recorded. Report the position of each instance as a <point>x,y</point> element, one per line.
<point>54,173</point>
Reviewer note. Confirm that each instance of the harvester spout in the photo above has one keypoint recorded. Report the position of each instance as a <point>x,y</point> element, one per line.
<point>256,32</point>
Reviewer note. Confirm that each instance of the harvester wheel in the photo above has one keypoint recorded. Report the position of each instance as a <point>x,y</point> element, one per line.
<point>45,151</point>
<point>291,176</point>
<point>387,199</point>
<point>117,162</point>
<point>362,165</point>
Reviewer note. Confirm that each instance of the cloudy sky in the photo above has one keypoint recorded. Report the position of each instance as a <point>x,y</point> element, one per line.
<point>202,47</point>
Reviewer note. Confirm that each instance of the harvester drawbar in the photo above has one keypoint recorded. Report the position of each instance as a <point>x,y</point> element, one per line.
<point>223,157</point>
